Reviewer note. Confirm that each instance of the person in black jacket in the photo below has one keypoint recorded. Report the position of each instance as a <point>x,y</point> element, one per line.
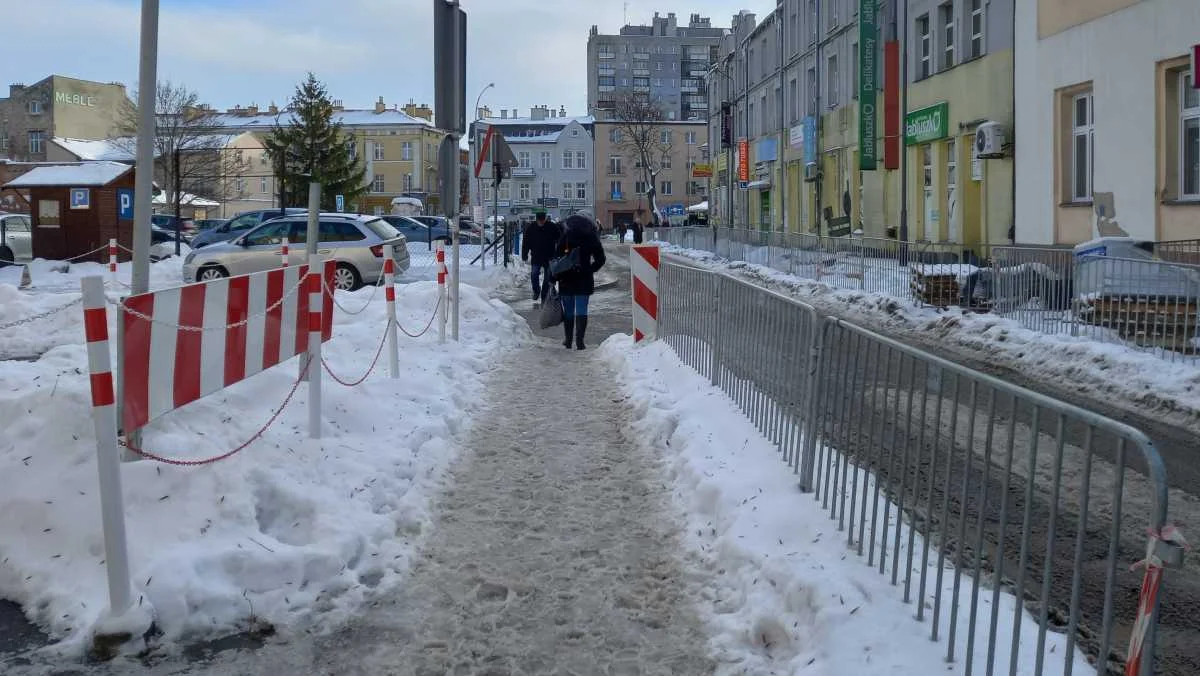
<point>537,249</point>
<point>575,287</point>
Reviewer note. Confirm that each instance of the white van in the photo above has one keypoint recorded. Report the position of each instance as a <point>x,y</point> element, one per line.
<point>407,206</point>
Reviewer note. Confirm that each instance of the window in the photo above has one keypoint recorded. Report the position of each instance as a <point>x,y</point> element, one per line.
<point>406,151</point>
<point>487,193</point>
<point>831,12</point>
<point>335,231</point>
<point>35,107</point>
<point>689,138</point>
<point>794,31</point>
<point>581,191</point>
<point>239,185</point>
<point>523,159</point>
<point>666,188</point>
<point>666,162</point>
<point>378,211</point>
<point>567,190</point>
<point>640,188</point>
<point>831,85</point>
<point>524,191</point>
<point>976,28</point>
<point>946,12</point>
<point>924,64</point>
<point>1082,147</point>
<point>408,182</point>
<point>262,185</point>
<point>504,192</point>
<point>567,159</point>
<point>37,142</point>
<point>581,159</point>
<point>546,160</point>
<point>812,22</point>
<point>764,113</point>
<point>812,91</point>
<point>614,190</point>
<point>377,185</point>
<point>664,136</point>
<point>270,234</point>
<point>658,66</point>
<point>1189,138</point>
<point>749,120</point>
<point>614,166</point>
<point>377,150</point>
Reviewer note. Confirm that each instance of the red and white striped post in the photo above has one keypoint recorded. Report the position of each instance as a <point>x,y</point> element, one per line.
<point>283,253</point>
<point>643,265</point>
<point>108,460</point>
<point>389,293</point>
<point>315,304</point>
<point>112,258</point>
<point>442,297</point>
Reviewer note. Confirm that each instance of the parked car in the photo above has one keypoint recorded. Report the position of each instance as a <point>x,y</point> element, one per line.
<point>355,241</point>
<point>239,225</point>
<point>423,229</point>
<point>16,242</point>
<point>187,227</point>
<point>210,223</point>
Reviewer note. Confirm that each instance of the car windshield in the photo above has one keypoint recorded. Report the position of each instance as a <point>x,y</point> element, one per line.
<point>382,228</point>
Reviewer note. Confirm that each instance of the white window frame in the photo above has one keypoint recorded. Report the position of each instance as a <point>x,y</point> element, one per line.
<point>614,165</point>
<point>581,159</point>
<point>581,191</point>
<point>924,48</point>
<point>664,136</point>
<point>525,191</point>
<point>667,188</point>
<point>690,138</point>
<point>567,188</point>
<point>831,82</point>
<point>812,22</point>
<point>978,38</point>
<point>567,159</point>
<point>378,185</point>
<point>406,151</point>
<point>377,151</point>
<point>408,182</point>
<point>262,185</point>
<point>946,21</point>
<point>1087,131</point>
<point>614,189</point>
<point>505,191</point>
<point>37,141</point>
<point>547,160</point>
<point>1187,114</point>
<point>35,107</point>
<point>523,159</point>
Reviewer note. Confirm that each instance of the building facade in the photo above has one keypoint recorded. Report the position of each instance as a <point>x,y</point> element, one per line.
<point>398,147</point>
<point>667,61</point>
<point>1110,117</point>
<point>622,185</point>
<point>59,106</point>
<point>555,156</point>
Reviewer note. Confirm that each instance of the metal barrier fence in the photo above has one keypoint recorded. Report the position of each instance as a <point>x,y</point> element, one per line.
<point>1010,491</point>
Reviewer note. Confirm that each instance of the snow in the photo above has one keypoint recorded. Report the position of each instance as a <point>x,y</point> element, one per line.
<point>89,150</point>
<point>291,531</point>
<point>82,175</point>
<point>1122,375</point>
<point>791,597</point>
<point>186,198</point>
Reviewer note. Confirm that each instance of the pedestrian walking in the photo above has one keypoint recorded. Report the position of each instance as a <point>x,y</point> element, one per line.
<point>582,255</point>
<point>638,231</point>
<point>537,248</point>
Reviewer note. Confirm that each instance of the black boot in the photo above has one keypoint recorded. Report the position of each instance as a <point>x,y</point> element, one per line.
<point>580,329</point>
<point>568,331</point>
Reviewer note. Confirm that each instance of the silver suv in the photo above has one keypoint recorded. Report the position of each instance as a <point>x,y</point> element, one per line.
<point>354,241</point>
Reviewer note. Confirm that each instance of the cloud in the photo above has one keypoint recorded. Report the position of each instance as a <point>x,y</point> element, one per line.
<point>244,51</point>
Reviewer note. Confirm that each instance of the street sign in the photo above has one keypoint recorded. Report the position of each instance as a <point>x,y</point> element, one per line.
<point>124,204</point>
<point>341,203</point>
<point>744,185</point>
<point>81,198</point>
<point>450,66</point>
<point>548,202</point>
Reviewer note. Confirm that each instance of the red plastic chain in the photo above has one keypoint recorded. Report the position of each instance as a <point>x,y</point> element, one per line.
<point>427,326</point>
<point>371,368</point>
<point>208,461</point>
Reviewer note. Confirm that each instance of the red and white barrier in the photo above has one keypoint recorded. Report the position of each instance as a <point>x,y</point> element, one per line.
<point>184,343</point>
<point>316,332</point>
<point>441,280</point>
<point>389,293</point>
<point>283,253</point>
<point>108,461</point>
<point>644,259</point>
<point>1148,597</point>
<point>112,259</point>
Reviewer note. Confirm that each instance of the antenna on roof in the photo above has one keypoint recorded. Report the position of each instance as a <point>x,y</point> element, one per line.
<point>625,15</point>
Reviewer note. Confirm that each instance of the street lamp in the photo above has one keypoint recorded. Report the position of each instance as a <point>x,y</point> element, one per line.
<point>479,183</point>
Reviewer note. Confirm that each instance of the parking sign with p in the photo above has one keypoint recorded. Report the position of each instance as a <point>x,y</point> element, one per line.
<point>125,204</point>
<point>81,198</point>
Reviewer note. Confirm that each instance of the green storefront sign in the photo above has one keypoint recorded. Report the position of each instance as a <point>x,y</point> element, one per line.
<point>927,124</point>
<point>868,36</point>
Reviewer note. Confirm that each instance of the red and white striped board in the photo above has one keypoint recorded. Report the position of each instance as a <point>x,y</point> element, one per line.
<point>643,266</point>
<point>165,366</point>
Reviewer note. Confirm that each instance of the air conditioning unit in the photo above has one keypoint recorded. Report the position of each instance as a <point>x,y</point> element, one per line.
<point>989,140</point>
<point>812,172</point>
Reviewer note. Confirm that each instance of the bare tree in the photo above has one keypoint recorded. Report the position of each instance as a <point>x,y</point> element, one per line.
<point>189,149</point>
<point>639,121</point>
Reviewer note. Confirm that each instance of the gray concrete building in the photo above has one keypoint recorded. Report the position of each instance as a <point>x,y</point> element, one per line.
<point>556,154</point>
<point>57,106</point>
<point>667,61</point>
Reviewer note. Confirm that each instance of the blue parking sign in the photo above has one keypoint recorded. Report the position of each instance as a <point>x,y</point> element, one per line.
<point>124,204</point>
<point>81,198</point>
<point>341,203</point>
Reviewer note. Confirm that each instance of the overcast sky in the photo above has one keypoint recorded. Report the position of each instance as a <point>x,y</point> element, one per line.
<point>255,51</point>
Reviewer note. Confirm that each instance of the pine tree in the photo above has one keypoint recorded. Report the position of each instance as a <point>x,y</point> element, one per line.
<point>311,146</point>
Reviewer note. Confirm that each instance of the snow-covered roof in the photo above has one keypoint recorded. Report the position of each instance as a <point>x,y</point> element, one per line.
<point>550,121</point>
<point>82,175</point>
<point>348,118</point>
<point>187,199</point>
<point>89,150</point>
<point>549,137</point>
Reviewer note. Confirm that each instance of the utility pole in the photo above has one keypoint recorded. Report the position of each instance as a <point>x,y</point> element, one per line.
<point>903,33</point>
<point>177,189</point>
<point>450,81</point>
<point>144,177</point>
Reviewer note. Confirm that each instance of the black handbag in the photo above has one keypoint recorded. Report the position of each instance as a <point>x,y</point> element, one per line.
<point>566,264</point>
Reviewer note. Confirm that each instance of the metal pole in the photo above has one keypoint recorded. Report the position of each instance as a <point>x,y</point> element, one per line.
<point>177,189</point>
<point>313,284</point>
<point>312,234</point>
<point>144,178</point>
<point>457,268</point>
<point>389,280</point>
<point>442,296</point>
<point>904,139</point>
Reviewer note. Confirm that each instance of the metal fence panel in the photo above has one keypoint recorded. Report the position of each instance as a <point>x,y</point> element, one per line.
<point>1006,489</point>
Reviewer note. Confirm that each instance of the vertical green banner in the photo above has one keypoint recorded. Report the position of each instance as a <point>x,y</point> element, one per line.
<point>868,35</point>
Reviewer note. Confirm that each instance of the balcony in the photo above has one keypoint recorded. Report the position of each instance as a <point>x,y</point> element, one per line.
<point>522,172</point>
<point>616,172</point>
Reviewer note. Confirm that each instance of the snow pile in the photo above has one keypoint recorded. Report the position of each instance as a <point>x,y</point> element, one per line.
<point>290,531</point>
<point>789,595</point>
<point>1122,375</point>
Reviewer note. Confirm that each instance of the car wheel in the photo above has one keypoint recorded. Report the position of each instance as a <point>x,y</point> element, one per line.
<point>346,278</point>
<point>211,273</point>
<point>6,256</point>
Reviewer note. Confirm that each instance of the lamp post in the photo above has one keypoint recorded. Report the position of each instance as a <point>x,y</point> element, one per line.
<point>479,183</point>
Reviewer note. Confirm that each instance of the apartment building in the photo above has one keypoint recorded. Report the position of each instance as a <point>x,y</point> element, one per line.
<point>664,60</point>
<point>555,155</point>
<point>58,106</point>
<point>398,147</point>
<point>1108,117</point>
<point>678,147</point>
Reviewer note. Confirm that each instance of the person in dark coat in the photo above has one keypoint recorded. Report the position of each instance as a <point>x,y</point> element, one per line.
<point>537,248</point>
<point>638,230</point>
<point>576,287</point>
